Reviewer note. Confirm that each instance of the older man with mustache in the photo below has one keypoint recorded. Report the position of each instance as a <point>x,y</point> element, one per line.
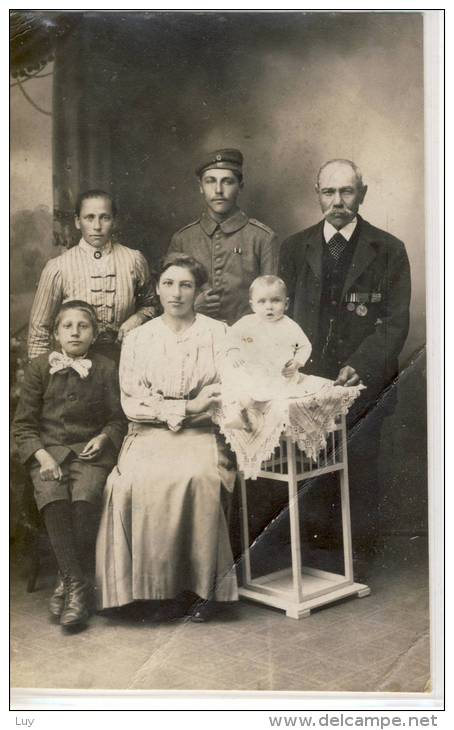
<point>349,287</point>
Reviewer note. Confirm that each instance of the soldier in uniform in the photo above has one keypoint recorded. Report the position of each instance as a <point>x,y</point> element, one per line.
<point>349,288</point>
<point>234,248</point>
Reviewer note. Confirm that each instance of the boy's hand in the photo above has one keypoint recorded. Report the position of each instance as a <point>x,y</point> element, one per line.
<point>94,447</point>
<point>49,468</point>
<point>290,368</point>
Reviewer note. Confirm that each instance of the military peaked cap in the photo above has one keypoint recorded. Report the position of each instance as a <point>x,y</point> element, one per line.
<point>226,159</point>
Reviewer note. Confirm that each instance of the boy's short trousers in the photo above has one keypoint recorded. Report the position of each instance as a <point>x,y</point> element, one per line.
<point>80,482</point>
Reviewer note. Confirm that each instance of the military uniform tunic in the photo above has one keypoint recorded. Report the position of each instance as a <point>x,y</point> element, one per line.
<point>234,251</point>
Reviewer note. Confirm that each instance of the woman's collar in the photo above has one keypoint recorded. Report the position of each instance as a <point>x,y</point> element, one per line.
<point>180,334</point>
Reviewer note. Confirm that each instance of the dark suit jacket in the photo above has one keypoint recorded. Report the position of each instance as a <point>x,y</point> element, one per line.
<point>62,412</point>
<point>371,343</point>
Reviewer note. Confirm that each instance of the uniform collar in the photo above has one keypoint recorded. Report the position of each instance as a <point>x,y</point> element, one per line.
<point>90,250</point>
<point>347,231</point>
<point>230,225</point>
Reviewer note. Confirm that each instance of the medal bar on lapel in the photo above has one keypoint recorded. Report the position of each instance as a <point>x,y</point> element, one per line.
<point>362,298</point>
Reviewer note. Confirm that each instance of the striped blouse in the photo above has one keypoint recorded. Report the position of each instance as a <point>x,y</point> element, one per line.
<point>117,284</point>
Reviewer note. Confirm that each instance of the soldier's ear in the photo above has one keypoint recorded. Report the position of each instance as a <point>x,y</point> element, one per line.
<point>77,222</point>
<point>363,193</point>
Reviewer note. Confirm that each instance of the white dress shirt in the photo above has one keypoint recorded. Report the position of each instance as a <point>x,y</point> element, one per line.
<point>347,231</point>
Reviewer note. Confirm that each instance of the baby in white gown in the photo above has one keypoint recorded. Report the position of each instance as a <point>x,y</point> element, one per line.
<point>263,354</point>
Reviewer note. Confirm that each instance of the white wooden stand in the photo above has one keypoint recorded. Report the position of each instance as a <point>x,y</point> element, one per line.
<point>298,589</point>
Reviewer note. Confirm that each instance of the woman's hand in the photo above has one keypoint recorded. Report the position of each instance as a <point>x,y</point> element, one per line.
<point>135,320</point>
<point>290,368</point>
<point>94,447</point>
<point>50,469</point>
<point>208,395</point>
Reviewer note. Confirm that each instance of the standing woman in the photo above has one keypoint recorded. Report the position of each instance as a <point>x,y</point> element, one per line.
<point>163,532</point>
<point>113,278</point>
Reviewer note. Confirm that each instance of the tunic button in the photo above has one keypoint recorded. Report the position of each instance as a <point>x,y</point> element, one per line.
<point>71,396</point>
<point>334,303</point>
<point>217,282</point>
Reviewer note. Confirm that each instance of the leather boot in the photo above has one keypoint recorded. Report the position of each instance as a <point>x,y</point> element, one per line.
<point>75,611</point>
<point>57,600</point>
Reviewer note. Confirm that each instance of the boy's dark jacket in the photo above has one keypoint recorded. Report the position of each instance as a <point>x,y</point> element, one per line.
<point>62,412</point>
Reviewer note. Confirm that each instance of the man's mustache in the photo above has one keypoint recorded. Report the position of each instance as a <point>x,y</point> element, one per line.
<point>339,209</point>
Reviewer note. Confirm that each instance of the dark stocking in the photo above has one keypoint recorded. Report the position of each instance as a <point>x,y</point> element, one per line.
<point>85,520</point>
<point>59,526</point>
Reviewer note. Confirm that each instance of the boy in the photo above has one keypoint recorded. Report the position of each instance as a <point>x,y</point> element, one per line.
<point>68,427</point>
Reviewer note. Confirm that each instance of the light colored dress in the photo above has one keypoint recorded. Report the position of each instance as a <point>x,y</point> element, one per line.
<point>265,347</point>
<point>163,529</point>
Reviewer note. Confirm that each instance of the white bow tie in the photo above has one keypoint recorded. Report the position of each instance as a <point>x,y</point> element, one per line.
<point>59,361</point>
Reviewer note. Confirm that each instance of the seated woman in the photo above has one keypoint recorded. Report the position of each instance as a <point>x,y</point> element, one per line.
<point>163,532</point>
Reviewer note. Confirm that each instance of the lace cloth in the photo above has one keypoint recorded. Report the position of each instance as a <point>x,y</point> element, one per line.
<point>305,412</point>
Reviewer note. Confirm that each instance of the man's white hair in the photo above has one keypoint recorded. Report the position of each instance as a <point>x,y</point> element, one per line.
<point>355,168</point>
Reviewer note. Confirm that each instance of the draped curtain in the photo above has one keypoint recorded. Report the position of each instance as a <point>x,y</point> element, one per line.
<point>81,138</point>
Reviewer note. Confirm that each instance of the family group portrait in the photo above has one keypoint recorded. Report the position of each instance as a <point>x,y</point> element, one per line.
<point>217,353</point>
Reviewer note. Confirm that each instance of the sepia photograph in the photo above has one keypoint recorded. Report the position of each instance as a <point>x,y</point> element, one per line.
<point>219,453</point>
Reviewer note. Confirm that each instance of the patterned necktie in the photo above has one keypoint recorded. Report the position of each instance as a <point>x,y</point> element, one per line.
<point>336,246</point>
<point>59,361</point>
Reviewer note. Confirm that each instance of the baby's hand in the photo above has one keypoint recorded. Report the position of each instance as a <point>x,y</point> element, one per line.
<point>237,362</point>
<point>94,447</point>
<point>235,358</point>
<point>290,368</point>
